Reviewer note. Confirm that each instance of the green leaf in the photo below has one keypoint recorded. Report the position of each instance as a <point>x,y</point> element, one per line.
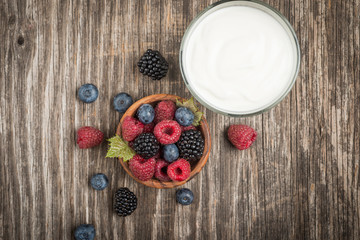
<point>119,148</point>
<point>190,104</point>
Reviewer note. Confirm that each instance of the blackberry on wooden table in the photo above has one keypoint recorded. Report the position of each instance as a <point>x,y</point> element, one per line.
<point>153,64</point>
<point>125,202</point>
<point>191,145</point>
<point>146,145</point>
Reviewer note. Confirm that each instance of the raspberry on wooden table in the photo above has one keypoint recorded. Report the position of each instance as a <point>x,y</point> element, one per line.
<point>241,136</point>
<point>88,137</point>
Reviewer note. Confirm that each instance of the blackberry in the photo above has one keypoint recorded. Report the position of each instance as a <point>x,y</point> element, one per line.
<point>125,202</point>
<point>153,65</point>
<point>191,145</point>
<point>146,145</point>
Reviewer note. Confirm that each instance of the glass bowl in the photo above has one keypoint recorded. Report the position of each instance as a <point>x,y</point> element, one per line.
<point>248,3</point>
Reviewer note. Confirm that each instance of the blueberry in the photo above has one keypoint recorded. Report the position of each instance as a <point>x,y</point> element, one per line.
<point>88,93</point>
<point>99,181</point>
<point>85,232</point>
<point>184,116</point>
<point>122,102</point>
<point>171,152</point>
<point>184,196</point>
<point>146,113</point>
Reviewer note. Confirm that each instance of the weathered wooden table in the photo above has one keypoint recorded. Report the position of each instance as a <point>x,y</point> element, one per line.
<point>300,180</point>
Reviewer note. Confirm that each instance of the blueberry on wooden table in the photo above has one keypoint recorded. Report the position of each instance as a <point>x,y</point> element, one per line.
<point>99,181</point>
<point>184,196</point>
<point>85,232</point>
<point>88,93</point>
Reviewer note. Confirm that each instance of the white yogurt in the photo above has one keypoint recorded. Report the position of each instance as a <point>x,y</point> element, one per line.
<point>239,59</point>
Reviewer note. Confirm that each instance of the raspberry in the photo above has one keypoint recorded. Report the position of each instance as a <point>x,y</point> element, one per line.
<point>179,170</point>
<point>167,132</point>
<point>142,169</point>
<point>241,136</point>
<point>149,128</point>
<point>165,110</point>
<point>131,128</point>
<point>88,137</point>
<point>191,127</point>
<point>161,170</point>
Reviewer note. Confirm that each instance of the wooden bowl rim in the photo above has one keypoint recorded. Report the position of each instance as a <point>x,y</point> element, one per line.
<point>204,127</point>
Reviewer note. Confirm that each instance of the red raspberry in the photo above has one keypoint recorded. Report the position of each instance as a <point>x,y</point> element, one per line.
<point>149,128</point>
<point>88,137</point>
<point>191,127</point>
<point>164,110</point>
<point>179,170</point>
<point>131,128</point>
<point>161,170</point>
<point>241,136</point>
<point>167,132</point>
<point>142,169</point>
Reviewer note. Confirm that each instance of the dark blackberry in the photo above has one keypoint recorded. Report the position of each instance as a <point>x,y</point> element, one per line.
<point>146,145</point>
<point>153,65</point>
<point>191,145</point>
<point>125,202</point>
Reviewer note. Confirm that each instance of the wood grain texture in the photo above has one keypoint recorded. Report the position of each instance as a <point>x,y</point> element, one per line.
<point>300,180</point>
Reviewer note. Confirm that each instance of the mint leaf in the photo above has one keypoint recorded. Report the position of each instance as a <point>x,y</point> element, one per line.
<point>119,148</point>
<point>190,104</point>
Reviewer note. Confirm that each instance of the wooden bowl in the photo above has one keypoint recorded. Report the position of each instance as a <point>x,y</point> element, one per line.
<point>204,128</point>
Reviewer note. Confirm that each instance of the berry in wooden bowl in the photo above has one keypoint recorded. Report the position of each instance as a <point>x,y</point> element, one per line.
<point>156,143</point>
